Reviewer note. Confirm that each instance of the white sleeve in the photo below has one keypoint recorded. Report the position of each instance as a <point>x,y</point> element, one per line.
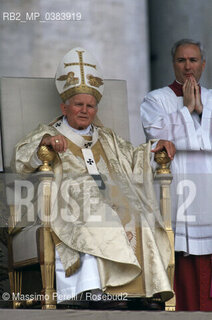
<point>206,122</point>
<point>177,126</point>
<point>35,162</point>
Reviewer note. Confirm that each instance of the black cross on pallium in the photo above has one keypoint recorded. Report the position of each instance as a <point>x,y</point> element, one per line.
<point>90,161</point>
<point>86,145</point>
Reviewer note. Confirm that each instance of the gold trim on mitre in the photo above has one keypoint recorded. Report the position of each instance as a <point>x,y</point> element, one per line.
<point>83,88</point>
<point>69,78</point>
<point>94,81</point>
<point>79,73</point>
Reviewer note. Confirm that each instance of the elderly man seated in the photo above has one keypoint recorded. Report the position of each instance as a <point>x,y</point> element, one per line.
<point>105,222</point>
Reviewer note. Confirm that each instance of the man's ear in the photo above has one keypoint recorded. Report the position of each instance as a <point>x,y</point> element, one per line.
<point>203,65</point>
<point>63,108</point>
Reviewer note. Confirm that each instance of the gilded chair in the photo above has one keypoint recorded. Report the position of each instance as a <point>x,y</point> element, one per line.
<point>32,101</point>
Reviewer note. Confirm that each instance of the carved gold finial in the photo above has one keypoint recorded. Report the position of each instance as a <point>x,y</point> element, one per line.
<point>17,304</point>
<point>163,160</point>
<point>46,155</point>
<point>30,302</point>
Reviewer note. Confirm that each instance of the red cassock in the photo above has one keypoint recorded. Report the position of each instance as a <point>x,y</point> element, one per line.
<point>193,285</point>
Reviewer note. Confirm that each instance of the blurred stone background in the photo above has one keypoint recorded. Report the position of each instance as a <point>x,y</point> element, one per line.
<point>131,39</point>
<point>115,31</point>
<point>170,21</point>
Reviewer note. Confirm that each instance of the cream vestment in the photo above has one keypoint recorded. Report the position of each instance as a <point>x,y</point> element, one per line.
<point>120,224</point>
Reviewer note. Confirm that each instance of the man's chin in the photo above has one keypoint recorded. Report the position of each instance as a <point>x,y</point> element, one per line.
<point>82,126</point>
<point>83,123</point>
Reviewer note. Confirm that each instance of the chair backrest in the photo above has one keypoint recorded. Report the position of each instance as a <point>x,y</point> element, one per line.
<point>26,102</point>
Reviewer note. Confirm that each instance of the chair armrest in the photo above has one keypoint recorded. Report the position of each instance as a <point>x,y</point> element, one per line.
<point>19,187</point>
<point>163,161</point>
<point>164,176</point>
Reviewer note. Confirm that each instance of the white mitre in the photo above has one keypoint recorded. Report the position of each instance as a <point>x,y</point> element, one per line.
<point>78,72</point>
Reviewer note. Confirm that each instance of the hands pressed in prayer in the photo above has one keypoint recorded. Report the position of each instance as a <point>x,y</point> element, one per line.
<point>58,143</point>
<point>191,95</point>
<point>198,106</point>
<point>168,146</point>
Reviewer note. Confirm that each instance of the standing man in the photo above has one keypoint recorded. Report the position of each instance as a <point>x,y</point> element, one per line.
<point>182,113</point>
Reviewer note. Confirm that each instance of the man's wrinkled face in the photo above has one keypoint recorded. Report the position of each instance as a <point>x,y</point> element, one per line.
<point>80,110</point>
<point>187,63</point>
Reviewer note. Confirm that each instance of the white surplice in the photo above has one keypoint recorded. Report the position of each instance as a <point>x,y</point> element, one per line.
<point>164,117</point>
<point>87,276</point>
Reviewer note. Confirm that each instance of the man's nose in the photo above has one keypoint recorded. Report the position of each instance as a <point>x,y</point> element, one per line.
<point>187,64</point>
<point>84,108</point>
